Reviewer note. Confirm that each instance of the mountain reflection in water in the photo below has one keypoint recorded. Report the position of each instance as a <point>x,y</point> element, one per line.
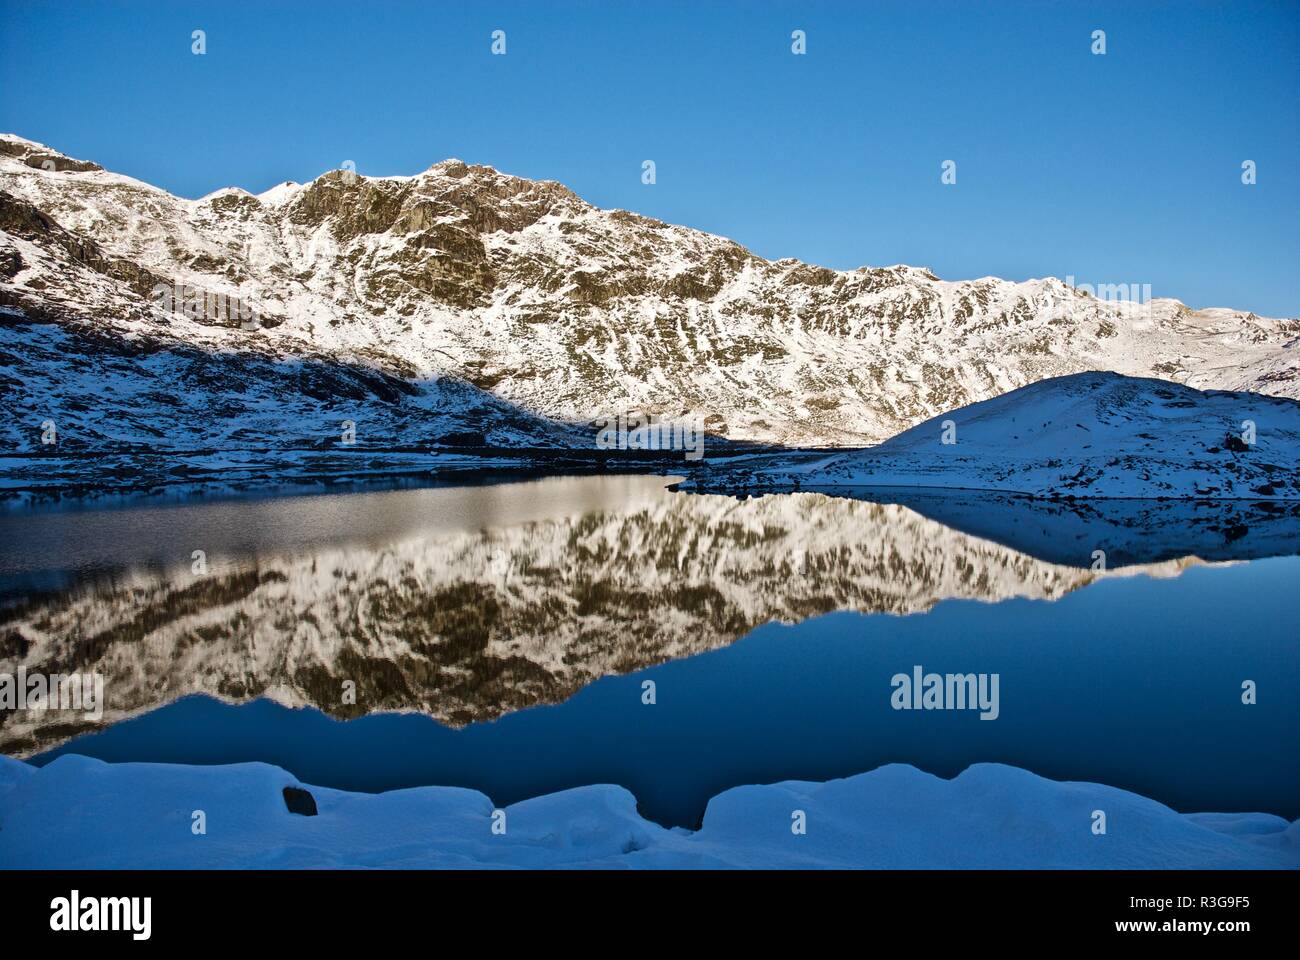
<point>469,603</point>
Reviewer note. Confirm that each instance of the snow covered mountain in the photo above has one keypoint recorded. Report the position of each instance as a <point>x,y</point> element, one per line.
<point>1088,435</point>
<point>463,305</point>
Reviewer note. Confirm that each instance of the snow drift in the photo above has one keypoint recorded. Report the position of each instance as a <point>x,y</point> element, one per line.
<point>82,813</point>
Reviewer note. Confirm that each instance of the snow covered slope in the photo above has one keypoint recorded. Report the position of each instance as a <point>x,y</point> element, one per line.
<point>138,815</point>
<point>1087,435</point>
<point>468,295</point>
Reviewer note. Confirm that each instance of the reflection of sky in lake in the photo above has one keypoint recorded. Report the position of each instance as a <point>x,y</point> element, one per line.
<point>1133,682</point>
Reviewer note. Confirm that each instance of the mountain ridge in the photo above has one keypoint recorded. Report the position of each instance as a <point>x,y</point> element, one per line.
<point>530,296</point>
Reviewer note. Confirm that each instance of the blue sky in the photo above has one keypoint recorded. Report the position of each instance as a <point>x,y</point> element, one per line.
<point>1117,168</point>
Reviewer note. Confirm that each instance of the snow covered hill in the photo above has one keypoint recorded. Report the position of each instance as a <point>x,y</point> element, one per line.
<point>1087,435</point>
<point>138,815</point>
<point>464,305</point>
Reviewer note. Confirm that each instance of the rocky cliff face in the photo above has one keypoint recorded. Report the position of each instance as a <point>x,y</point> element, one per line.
<point>505,305</point>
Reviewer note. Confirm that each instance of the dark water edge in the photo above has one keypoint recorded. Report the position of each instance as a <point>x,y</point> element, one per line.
<point>216,489</point>
<point>99,479</point>
<point>1134,683</point>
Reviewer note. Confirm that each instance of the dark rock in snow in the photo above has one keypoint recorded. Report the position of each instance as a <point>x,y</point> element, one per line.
<point>299,801</point>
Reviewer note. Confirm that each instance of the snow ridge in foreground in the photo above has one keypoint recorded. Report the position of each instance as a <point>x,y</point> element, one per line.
<point>138,815</point>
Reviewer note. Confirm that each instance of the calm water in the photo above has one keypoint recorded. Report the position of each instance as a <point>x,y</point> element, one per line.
<point>502,638</point>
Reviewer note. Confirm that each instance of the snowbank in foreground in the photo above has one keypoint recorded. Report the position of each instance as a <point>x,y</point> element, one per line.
<point>79,812</point>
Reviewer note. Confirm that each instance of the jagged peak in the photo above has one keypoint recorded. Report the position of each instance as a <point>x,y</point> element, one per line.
<point>453,177</point>
<point>477,186</point>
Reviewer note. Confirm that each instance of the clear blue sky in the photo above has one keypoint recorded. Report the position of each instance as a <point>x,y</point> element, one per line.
<point>1117,168</point>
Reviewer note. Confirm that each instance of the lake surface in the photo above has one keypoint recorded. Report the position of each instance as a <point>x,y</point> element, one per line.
<point>508,637</point>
